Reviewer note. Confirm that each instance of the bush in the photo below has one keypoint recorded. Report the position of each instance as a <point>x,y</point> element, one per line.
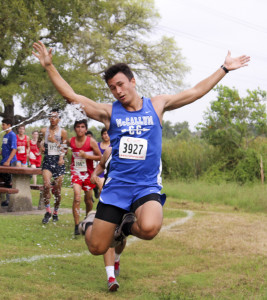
<point>248,167</point>
<point>186,159</point>
<point>243,166</point>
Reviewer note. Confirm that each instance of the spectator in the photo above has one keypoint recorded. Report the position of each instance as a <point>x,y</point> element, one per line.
<point>9,149</point>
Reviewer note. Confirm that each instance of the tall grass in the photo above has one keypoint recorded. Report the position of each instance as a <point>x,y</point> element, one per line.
<point>250,198</point>
<point>187,159</point>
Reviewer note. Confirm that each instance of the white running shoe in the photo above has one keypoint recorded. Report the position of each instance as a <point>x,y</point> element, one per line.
<point>112,284</point>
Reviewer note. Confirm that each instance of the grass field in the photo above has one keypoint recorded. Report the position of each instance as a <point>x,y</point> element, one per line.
<point>220,253</point>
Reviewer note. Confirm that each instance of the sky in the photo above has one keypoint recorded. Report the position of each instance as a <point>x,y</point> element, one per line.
<point>205,31</point>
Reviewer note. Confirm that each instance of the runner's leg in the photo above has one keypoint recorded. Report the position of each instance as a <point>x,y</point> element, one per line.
<point>118,251</point>
<point>88,200</point>
<point>76,203</point>
<point>47,175</point>
<point>109,258</point>
<point>99,236</point>
<point>149,220</point>
<point>57,192</point>
<point>34,177</point>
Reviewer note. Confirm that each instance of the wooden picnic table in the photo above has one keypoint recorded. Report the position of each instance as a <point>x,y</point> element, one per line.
<point>21,178</point>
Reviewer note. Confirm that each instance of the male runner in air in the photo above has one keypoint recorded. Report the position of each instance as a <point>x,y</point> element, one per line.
<point>134,127</point>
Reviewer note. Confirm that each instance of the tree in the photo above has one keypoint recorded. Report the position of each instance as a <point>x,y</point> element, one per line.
<point>87,36</point>
<point>21,23</point>
<point>232,121</point>
<point>231,124</point>
<point>170,131</point>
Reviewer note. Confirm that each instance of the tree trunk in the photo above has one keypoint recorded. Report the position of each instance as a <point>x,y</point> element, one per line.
<point>9,112</point>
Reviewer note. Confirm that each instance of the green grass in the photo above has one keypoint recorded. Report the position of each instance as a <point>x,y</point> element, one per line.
<point>249,198</point>
<point>206,258</point>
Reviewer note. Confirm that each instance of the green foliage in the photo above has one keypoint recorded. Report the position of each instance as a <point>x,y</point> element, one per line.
<point>231,125</point>
<point>170,131</point>
<point>232,121</point>
<point>242,166</point>
<point>248,166</point>
<point>186,159</point>
<point>87,36</point>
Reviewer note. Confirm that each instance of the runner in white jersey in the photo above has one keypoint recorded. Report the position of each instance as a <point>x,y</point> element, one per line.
<point>55,146</point>
<point>128,149</point>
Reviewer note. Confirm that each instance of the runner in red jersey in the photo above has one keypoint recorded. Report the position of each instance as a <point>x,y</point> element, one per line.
<point>35,157</point>
<point>23,147</point>
<point>84,152</point>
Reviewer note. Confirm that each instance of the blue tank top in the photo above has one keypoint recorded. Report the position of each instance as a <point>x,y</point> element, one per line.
<point>136,140</point>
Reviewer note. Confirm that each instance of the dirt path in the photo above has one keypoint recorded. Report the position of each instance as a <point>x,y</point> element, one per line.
<point>35,211</point>
<point>232,232</point>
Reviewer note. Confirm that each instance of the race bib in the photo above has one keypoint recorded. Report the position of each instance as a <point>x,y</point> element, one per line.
<point>53,149</point>
<point>5,140</point>
<point>133,148</point>
<point>21,149</point>
<point>32,156</point>
<point>80,164</point>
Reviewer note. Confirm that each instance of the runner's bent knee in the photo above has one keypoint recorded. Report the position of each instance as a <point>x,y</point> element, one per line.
<point>149,229</point>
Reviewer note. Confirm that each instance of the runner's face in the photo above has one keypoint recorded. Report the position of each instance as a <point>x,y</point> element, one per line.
<point>54,118</point>
<point>5,126</point>
<point>122,89</point>
<point>105,137</point>
<point>80,130</point>
<point>21,130</point>
<point>35,136</point>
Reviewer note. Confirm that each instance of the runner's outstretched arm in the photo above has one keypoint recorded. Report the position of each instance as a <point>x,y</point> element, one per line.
<point>170,102</point>
<point>97,111</point>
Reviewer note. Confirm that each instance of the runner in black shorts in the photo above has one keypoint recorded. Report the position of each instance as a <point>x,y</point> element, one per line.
<point>55,146</point>
<point>134,125</point>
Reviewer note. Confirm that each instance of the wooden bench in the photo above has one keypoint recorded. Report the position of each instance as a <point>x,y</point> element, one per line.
<point>7,190</point>
<point>21,177</point>
<point>37,187</point>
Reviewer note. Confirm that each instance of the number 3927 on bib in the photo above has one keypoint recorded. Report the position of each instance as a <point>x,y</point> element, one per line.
<point>133,148</point>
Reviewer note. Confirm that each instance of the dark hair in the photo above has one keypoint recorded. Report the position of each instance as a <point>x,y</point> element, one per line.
<point>103,130</point>
<point>55,110</point>
<point>89,132</point>
<point>22,125</point>
<point>118,68</point>
<point>78,122</point>
<point>7,121</point>
<point>35,131</point>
